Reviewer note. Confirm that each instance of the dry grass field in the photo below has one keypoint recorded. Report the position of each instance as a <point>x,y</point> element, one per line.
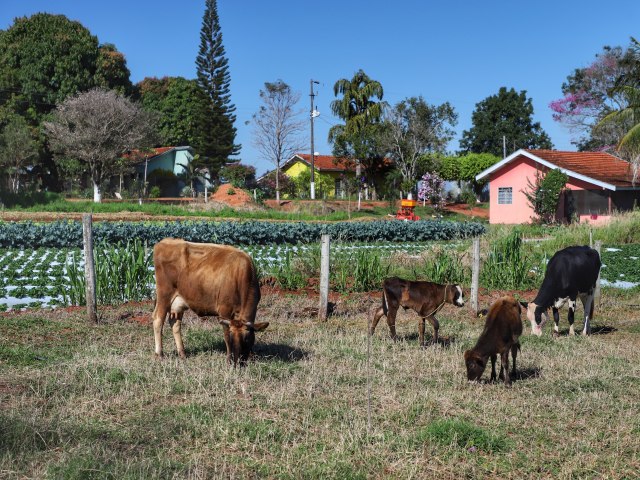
<point>85,401</point>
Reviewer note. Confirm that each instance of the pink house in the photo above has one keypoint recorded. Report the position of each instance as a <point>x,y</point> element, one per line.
<point>598,184</point>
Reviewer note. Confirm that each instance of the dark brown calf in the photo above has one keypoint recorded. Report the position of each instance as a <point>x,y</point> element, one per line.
<point>425,298</point>
<point>501,331</point>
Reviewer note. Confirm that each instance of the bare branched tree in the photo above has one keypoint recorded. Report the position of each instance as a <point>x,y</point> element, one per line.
<point>96,128</point>
<point>278,128</point>
<point>17,150</point>
<point>415,128</point>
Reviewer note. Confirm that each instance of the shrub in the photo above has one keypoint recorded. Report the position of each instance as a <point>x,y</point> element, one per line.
<point>544,194</point>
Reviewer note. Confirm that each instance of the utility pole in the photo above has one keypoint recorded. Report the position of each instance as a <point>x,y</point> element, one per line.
<point>504,146</point>
<point>312,115</point>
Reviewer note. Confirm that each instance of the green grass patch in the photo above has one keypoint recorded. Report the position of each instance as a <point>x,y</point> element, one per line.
<point>462,434</point>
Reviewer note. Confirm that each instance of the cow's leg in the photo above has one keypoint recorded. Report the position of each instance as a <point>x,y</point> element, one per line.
<point>391,321</point>
<point>421,324</point>
<point>571,315</point>
<point>505,365</point>
<point>436,326</point>
<point>159,314</point>
<point>514,354</point>
<point>175,320</point>
<point>556,321</point>
<point>588,303</point>
<point>493,368</point>
<point>376,318</point>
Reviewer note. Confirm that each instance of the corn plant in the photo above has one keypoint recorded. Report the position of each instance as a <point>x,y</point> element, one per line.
<point>445,267</point>
<point>123,273</point>
<point>360,271</point>
<point>506,267</point>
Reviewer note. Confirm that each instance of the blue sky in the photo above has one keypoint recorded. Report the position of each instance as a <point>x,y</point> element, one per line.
<point>453,51</point>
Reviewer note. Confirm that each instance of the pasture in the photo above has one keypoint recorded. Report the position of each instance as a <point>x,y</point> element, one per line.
<point>89,401</point>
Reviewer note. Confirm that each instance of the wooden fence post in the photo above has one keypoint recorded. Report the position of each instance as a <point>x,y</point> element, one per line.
<point>89,267</point>
<point>324,278</point>
<point>475,274</point>
<point>598,247</point>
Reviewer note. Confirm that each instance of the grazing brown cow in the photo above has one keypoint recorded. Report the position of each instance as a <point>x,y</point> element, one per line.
<point>501,331</point>
<point>425,298</point>
<point>210,279</point>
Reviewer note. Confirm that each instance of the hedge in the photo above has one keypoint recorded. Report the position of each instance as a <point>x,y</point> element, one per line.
<point>69,233</point>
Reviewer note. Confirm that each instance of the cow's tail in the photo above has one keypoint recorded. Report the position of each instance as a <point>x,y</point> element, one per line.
<point>385,306</point>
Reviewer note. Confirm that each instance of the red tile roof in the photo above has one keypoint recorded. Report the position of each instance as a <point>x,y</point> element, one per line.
<point>152,152</point>
<point>597,165</point>
<point>327,162</point>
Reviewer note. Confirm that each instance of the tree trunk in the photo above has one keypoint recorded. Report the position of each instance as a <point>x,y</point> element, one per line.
<point>278,183</point>
<point>97,195</point>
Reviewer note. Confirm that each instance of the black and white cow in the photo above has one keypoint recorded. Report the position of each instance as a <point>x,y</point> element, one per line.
<point>571,273</point>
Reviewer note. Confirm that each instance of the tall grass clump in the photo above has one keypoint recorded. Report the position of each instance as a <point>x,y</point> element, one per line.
<point>361,270</point>
<point>442,266</point>
<point>123,273</point>
<point>506,267</point>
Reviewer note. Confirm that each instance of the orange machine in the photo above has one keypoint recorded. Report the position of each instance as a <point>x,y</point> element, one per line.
<point>406,210</point>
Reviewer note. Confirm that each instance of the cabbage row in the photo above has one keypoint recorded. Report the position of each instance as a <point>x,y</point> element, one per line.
<point>67,234</point>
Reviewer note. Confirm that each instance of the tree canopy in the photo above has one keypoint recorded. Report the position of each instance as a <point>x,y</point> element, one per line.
<point>97,127</point>
<point>361,137</point>
<point>277,126</point>
<point>507,114</point>
<point>44,59</point>
<point>214,79</point>
<point>184,110</point>
<point>415,128</point>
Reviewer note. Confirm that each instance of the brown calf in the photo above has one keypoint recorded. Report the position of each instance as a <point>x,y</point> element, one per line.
<point>211,280</point>
<point>501,331</point>
<point>425,298</point>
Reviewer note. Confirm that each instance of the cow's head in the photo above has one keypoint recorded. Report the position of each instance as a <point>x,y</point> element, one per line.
<point>475,365</point>
<point>239,338</point>
<point>537,316</point>
<point>455,295</point>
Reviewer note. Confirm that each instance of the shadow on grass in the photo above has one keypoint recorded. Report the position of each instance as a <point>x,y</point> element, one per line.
<point>599,330</point>
<point>444,342</point>
<point>278,351</point>
<point>603,330</point>
<point>527,373</point>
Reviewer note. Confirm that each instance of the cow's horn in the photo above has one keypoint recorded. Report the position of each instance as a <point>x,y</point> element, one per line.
<point>224,322</point>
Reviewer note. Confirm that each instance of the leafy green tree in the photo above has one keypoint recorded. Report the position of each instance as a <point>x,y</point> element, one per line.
<point>44,59</point>
<point>324,185</point>
<point>239,175</point>
<point>544,194</point>
<point>415,128</point>
<point>183,108</point>
<point>361,138</point>
<point>112,71</point>
<point>17,149</point>
<point>508,114</point>
<point>214,79</point>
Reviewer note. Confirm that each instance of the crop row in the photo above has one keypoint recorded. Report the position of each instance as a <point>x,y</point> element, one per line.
<point>46,277</point>
<point>69,233</point>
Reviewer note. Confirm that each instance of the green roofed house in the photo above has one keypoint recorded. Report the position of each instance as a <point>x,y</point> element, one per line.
<point>165,167</point>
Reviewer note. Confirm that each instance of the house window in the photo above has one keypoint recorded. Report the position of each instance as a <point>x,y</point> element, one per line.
<point>505,195</point>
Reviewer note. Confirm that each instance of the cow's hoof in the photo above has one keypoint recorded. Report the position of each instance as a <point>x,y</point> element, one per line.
<point>556,334</point>
<point>158,356</point>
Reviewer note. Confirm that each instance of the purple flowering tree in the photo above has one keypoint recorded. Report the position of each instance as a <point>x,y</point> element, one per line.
<point>431,190</point>
<point>589,95</point>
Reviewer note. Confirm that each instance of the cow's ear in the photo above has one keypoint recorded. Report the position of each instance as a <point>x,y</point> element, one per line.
<point>482,313</point>
<point>525,304</point>
<point>258,327</point>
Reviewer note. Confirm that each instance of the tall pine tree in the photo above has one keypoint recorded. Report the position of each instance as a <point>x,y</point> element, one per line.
<point>214,79</point>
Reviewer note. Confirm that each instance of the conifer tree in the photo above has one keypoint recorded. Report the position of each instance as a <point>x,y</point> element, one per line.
<point>214,79</point>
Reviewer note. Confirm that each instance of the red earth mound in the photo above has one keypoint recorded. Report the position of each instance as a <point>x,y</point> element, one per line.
<point>232,196</point>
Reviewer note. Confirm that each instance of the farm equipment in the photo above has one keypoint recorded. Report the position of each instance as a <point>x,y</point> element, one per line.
<point>405,212</point>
